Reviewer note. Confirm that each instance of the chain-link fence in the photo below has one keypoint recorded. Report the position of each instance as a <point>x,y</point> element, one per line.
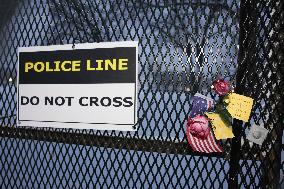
<point>183,47</point>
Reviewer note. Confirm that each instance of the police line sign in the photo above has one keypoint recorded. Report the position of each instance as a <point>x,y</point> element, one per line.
<point>86,86</point>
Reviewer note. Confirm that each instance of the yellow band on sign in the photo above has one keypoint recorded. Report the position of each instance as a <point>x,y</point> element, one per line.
<point>240,106</point>
<point>75,65</point>
<point>220,128</point>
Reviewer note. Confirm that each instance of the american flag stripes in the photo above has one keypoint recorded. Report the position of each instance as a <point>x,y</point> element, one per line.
<point>201,104</point>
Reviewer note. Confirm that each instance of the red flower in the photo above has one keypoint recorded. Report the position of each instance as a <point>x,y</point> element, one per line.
<point>221,87</point>
<point>199,126</point>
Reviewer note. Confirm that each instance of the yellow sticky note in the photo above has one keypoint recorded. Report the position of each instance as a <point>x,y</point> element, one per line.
<point>220,129</point>
<point>240,106</point>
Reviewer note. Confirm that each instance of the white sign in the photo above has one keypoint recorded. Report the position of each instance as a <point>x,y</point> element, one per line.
<point>91,86</point>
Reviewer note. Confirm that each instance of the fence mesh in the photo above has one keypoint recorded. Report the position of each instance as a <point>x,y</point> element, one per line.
<point>183,47</point>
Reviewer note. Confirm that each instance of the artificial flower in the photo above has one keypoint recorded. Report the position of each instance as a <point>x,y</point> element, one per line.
<point>199,126</point>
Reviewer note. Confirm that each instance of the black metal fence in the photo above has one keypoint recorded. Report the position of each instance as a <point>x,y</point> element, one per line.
<point>183,46</point>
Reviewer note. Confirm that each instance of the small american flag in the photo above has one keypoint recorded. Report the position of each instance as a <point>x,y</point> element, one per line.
<point>200,105</point>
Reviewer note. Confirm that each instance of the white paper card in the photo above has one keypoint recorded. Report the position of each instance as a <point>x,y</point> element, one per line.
<point>257,134</point>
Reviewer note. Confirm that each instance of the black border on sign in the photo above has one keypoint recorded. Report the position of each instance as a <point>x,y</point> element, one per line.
<point>77,122</point>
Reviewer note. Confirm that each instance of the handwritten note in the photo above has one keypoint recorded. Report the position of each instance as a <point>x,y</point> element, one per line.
<point>240,106</point>
<point>220,128</point>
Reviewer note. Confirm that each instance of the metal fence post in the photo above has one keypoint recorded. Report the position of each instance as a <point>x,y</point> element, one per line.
<point>243,62</point>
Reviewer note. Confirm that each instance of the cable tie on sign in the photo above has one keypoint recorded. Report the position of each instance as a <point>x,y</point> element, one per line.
<point>138,122</point>
<point>140,119</point>
<point>73,44</point>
